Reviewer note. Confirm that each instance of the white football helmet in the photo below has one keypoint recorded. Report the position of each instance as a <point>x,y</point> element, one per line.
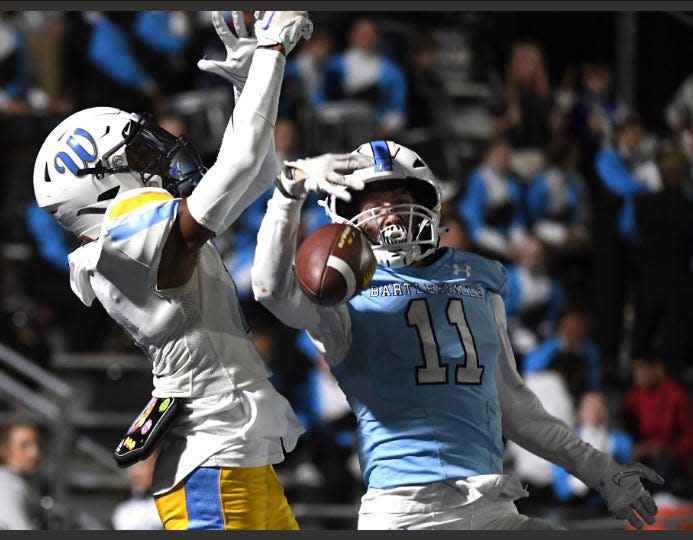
<point>395,165</point>
<point>97,153</point>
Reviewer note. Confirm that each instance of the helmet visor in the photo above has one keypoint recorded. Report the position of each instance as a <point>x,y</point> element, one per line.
<point>153,151</point>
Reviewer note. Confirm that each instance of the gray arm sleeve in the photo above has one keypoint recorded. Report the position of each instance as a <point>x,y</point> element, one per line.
<point>526,422</point>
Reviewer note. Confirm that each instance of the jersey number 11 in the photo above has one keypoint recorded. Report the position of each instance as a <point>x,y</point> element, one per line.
<point>433,372</point>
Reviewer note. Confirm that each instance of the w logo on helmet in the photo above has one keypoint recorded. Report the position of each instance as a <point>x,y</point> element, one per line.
<point>76,142</point>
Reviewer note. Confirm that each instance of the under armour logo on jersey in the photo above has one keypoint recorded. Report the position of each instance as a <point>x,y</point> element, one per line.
<point>457,270</point>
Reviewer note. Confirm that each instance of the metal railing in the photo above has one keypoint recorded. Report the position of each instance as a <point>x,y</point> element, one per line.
<point>52,403</point>
<point>55,412</point>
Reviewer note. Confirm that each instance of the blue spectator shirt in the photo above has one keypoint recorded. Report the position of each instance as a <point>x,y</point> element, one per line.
<point>491,200</point>
<point>389,79</point>
<point>540,358</point>
<point>614,172</point>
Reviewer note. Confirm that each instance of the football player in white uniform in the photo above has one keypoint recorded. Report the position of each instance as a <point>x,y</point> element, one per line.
<point>423,355</point>
<point>124,186</point>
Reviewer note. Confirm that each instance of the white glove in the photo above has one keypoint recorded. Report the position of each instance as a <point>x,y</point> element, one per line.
<point>328,173</point>
<point>282,28</point>
<point>621,489</point>
<point>239,51</point>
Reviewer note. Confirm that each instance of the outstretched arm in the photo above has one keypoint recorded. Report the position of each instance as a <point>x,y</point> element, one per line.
<point>274,283</point>
<point>212,206</point>
<point>526,422</point>
<point>229,185</point>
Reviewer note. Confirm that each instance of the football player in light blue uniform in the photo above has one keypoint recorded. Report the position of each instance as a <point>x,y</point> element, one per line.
<point>422,354</point>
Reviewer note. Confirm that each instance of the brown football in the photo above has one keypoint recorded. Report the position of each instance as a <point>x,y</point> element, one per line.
<point>334,263</point>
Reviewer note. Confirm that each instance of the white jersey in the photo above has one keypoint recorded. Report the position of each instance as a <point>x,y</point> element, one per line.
<point>196,337</point>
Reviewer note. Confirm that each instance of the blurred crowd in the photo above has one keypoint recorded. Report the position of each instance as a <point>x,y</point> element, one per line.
<point>589,209</point>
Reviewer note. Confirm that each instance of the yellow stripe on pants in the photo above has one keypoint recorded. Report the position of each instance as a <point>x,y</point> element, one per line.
<point>252,498</point>
<point>172,509</point>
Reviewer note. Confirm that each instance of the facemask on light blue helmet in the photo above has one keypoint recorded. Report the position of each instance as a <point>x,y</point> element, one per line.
<point>417,234</point>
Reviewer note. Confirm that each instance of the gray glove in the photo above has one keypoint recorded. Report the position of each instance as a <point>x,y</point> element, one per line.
<point>624,494</point>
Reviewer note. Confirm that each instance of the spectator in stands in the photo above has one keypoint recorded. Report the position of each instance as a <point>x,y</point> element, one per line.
<point>303,74</point>
<point>657,410</point>
<point>526,112</point>
<point>363,73</point>
<point>594,115</point>
<point>46,36</point>
<point>679,110</point>
<point>613,215</point>
<point>534,298</point>
<point>492,204</point>
<point>663,231</point>
<point>139,511</point>
<point>571,337</point>
<point>20,456</point>
<point>593,427</point>
<point>622,172</point>
<point>162,40</point>
<point>117,76</point>
<point>557,199</point>
<point>15,69</point>
<point>429,104</point>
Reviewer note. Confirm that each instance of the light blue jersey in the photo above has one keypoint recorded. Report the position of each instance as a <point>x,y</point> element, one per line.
<point>420,375</point>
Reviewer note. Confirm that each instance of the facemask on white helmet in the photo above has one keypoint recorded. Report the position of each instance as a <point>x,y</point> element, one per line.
<point>414,233</point>
<point>97,153</point>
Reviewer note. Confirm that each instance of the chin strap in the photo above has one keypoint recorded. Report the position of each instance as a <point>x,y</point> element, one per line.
<point>398,258</point>
<point>101,170</point>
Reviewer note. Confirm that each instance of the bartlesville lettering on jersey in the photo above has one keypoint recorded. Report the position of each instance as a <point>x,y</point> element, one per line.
<point>411,289</point>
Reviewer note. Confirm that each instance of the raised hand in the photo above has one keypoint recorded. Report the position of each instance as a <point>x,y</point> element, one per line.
<point>282,28</point>
<point>239,51</point>
<point>330,173</point>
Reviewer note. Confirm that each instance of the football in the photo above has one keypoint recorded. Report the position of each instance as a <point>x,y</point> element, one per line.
<point>334,263</point>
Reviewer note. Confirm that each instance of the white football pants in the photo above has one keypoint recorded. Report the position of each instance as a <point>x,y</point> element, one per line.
<point>442,506</point>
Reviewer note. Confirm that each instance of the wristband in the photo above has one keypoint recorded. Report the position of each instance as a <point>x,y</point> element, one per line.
<point>283,191</point>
